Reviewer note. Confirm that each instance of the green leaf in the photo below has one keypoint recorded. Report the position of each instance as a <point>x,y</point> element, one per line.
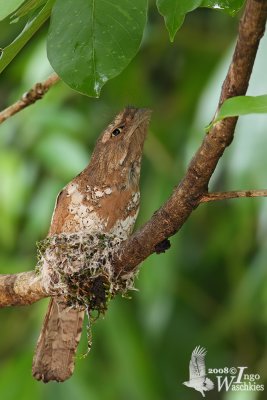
<point>34,23</point>
<point>241,105</point>
<point>174,12</point>
<point>230,6</point>
<point>27,7</point>
<point>8,6</point>
<point>92,41</point>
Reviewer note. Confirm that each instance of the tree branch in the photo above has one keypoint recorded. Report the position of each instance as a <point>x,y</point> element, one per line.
<point>152,237</point>
<point>232,195</point>
<point>20,289</point>
<point>187,195</point>
<point>30,97</point>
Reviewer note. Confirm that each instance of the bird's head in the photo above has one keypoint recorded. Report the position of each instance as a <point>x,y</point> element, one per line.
<point>118,152</point>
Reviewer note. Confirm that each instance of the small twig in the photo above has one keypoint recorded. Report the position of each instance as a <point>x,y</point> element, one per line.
<point>232,195</point>
<point>30,97</point>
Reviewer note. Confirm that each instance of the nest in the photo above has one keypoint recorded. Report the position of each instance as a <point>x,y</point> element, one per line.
<point>77,268</point>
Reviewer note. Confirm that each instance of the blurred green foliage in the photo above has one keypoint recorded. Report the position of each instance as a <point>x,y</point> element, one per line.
<point>210,287</point>
<point>174,11</point>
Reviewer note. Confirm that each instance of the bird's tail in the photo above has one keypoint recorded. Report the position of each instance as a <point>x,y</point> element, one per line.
<point>57,343</point>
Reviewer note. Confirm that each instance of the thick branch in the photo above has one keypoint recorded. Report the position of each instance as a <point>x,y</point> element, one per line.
<point>232,195</point>
<point>20,289</point>
<point>187,196</point>
<point>30,97</point>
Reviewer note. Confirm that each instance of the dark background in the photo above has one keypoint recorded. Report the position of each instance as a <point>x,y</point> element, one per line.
<point>210,288</point>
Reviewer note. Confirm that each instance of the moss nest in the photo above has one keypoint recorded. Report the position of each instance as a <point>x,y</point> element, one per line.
<point>77,267</point>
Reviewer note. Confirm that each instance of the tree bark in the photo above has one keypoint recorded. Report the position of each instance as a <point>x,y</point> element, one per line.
<point>21,289</point>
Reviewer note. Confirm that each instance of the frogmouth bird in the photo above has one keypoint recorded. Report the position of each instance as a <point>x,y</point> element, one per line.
<point>102,199</point>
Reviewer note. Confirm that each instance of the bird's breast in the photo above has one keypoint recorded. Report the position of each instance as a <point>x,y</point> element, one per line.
<point>95,209</point>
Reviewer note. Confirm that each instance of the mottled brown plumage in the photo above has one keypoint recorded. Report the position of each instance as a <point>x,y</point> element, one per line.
<point>104,198</point>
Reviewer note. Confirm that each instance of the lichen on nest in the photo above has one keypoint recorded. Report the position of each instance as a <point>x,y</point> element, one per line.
<point>77,268</point>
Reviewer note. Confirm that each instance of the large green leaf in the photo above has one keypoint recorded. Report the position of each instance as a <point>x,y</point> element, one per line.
<point>8,6</point>
<point>34,23</point>
<point>174,11</point>
<point>241,105</point>
<point>92,41</point>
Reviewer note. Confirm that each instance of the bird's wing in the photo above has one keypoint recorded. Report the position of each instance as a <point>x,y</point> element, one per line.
<point>197,368</point>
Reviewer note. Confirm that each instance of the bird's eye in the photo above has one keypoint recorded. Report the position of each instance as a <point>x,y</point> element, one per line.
<point>117,131</point>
